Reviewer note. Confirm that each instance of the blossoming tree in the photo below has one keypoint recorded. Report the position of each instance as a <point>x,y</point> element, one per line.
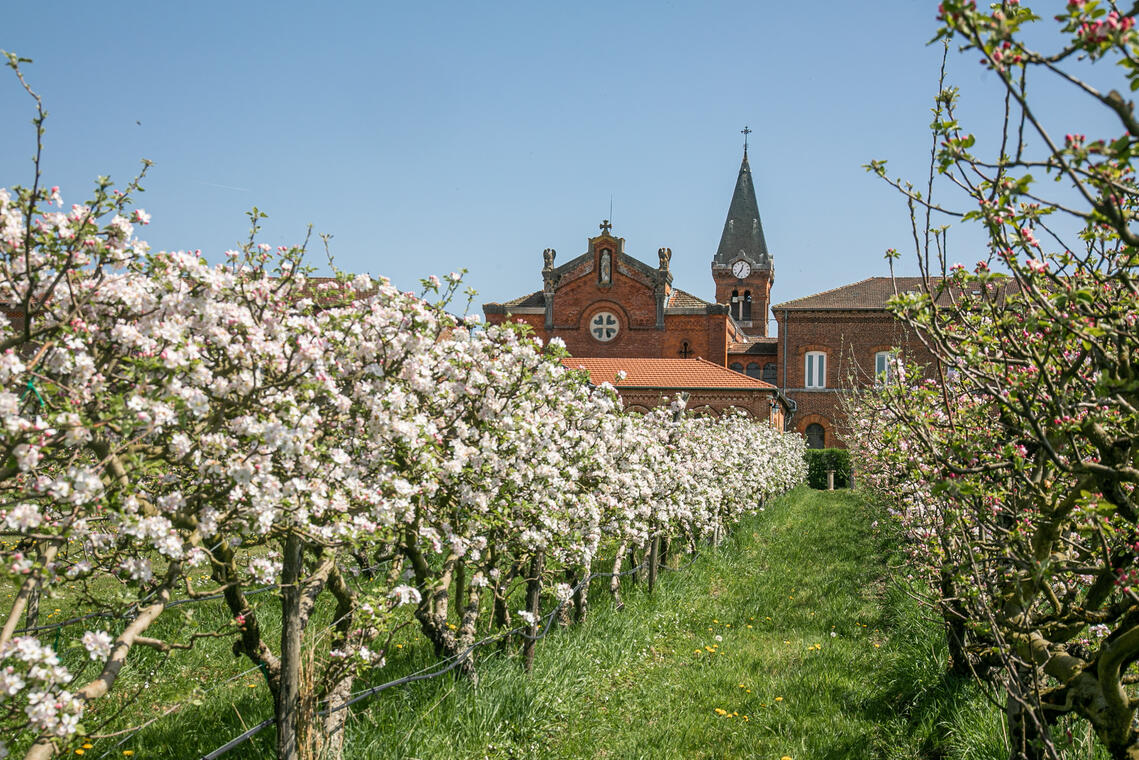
<point>1020,445</point>
<point>175,432</point>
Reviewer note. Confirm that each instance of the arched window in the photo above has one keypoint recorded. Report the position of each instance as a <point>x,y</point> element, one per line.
<point>816,436</point>
<point>735,305</point>
<point>753,370</point>
<point>736,366</point>
<point>685,350</point>
<point>769,373</point>
<point>815,371</point>
<point>747,306</point>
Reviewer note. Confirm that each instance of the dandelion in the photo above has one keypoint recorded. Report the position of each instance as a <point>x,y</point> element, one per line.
<point>128,752</point>
<point>779,699</point>
<point>721,711</point>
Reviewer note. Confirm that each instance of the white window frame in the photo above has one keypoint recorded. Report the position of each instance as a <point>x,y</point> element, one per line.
<point>815,369</point>
<point>884,367</point>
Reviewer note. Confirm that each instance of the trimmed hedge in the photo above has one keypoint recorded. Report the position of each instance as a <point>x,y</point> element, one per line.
<point>821,460</point>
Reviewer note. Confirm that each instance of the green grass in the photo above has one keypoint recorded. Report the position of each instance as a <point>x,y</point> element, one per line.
<point>642,683</point>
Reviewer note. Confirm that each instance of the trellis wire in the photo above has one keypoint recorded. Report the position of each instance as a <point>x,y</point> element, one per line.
<point>447,664</point>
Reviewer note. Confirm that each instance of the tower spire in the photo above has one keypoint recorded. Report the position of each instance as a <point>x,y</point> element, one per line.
<point>743,231</point>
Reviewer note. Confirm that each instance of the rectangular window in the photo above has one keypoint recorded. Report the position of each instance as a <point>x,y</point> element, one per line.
<point>883,367</point>
<point>816,369</point>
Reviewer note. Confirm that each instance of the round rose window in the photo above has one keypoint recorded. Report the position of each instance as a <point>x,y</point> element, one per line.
<point>604,326</point>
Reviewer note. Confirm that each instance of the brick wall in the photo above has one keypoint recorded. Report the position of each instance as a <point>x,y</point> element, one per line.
<point>850,339</point>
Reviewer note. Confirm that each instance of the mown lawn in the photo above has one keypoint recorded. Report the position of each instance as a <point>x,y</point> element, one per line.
<point>789,640</point>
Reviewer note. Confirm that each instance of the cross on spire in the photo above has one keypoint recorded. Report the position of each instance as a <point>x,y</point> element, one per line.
<point>745,132</point>
<point>605,226</point>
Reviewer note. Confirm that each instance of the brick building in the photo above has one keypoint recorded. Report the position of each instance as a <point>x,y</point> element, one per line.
<point>607,305</point>
<point>831,341</point>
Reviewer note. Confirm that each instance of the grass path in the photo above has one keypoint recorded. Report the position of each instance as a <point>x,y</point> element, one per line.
<point>787,641</point>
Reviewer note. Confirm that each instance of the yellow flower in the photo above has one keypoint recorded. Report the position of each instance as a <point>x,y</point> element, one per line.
<point>779,699</point>
<point>80,751</point>
<point>785,757</point>
<point>128,752</point>
<point>721,711</point>
<point>87,745</point>
<point>749,626</point>
<point>714,620</point>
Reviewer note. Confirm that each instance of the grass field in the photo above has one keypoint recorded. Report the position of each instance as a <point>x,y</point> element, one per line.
<point>789,640</point>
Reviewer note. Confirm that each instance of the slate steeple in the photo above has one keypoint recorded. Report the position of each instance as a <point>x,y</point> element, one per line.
<point>743,231</point>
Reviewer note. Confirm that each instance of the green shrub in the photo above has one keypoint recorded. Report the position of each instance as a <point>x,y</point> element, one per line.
<point>821,460</point>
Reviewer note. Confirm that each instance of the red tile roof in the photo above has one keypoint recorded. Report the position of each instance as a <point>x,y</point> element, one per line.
<point>679,299</point>
<point>664,373</point>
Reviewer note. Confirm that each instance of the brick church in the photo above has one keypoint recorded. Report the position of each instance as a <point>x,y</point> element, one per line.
<point>616,312</point>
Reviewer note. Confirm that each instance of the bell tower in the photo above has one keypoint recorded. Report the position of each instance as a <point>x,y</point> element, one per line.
<point>742,267</point>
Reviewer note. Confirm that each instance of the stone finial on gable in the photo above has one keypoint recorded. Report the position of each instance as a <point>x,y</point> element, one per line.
<point>548,283</point>
<point>665,256</point>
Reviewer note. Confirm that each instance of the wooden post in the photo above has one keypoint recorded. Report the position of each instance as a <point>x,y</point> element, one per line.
<point>654,550</point>
<point>288,699</point>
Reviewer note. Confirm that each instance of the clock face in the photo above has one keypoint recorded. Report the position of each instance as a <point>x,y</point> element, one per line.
<point>741,269</point>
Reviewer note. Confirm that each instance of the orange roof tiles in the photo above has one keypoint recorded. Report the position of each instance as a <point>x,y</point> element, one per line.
<point>664,373</point>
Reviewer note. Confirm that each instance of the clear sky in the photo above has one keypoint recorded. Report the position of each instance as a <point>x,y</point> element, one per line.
<point>426,137</point>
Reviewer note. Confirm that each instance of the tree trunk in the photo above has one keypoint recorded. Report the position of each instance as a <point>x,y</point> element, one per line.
<point>953,619</point>
<point>288,696</point>
<point>581,596</point>
<point>468,625</point>
<point>331,739</point>
<point>533,606</point>
<point>615,580</point>
<point>565,606</point>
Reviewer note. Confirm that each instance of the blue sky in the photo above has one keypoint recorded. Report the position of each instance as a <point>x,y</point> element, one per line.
<point>428,137</point>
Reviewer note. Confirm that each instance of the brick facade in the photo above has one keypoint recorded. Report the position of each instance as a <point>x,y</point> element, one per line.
<point>849,325</point>
<point>641,315</point>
